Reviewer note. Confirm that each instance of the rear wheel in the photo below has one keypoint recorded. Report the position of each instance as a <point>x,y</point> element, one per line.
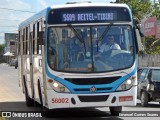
<point>144,99</point>
<point>40,93</point>
<point>29,101</point>
<point>115,110</point>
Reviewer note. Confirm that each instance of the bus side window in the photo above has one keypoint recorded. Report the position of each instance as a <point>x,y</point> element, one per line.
<point>27,41</point>
<point>38,30</point>
<point>40,38</point>
<point>19,42</point>
<point>23,37</point>
<point>33,38</point>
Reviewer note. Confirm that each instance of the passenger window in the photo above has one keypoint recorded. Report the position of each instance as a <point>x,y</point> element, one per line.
<point>143,74</point>
<point>33,39</point>
<point>27,40</point>
<point>139,72</point>
<point>19,42</point>
<point>155,75</point>
<point>38,28</point>
<point>149,75</point>
<point>24,42</point>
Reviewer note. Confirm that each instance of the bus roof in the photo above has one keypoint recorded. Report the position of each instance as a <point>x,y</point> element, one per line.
<point>45,11</point>
<point>89,5</point>
<point>33,18</point>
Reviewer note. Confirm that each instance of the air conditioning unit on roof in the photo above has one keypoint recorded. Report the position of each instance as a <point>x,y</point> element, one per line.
<point>78,2</point>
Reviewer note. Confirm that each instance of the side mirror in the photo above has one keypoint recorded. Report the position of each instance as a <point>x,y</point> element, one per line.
<point>139,45</point>
<point>138,26</point>
<point>41,37</point>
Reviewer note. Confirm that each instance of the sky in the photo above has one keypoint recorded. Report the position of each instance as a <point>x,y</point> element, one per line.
<point>13,12</point>
<point>10,18</point>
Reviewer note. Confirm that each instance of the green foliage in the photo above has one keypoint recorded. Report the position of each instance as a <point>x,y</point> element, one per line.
<point>144,9</point>
<point>156,10</point>
<point>138,7</point>
<point>152,45</point>
<point>2,46</point>
<point>2,58</point>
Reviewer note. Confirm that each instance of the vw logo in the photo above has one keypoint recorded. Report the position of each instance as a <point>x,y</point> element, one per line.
<point>93,89</point>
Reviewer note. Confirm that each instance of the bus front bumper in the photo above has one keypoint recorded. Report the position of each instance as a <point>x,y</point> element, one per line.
<point>69,100</point>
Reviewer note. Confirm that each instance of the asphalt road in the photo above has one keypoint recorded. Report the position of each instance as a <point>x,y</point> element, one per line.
<point>12,99</point>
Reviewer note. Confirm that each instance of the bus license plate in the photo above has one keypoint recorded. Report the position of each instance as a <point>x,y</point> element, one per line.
<point>125,98</point>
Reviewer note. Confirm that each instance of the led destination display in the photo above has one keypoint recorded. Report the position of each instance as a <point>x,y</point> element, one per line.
<point>88,15</point>
<point>72,17</point>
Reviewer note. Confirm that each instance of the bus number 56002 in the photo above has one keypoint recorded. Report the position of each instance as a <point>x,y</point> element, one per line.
<point>60,100</point>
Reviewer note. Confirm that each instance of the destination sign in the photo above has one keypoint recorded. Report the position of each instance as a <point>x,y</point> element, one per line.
<point>80,17</point>
<point>88,15</point>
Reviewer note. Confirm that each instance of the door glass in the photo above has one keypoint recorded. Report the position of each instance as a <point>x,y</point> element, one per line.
<point>143,74</point>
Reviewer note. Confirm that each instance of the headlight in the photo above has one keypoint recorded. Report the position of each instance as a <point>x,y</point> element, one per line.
<point>150,87</point>
<point>127,84</point>
<point>58,87</point>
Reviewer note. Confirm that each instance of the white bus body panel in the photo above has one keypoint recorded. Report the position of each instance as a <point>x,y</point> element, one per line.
<point>52,95</point>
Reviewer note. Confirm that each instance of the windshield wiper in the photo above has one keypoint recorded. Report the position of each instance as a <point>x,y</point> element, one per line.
<point>80,37</point>
<point>103,34</point>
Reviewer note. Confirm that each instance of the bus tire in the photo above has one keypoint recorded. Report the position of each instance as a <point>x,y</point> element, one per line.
<point>40,93</point>
<point>144,99</point>
<point>29,101</point>
<point>47,113</point>
<point>115,110</point>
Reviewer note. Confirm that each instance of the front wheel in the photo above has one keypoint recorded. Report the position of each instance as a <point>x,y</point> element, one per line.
<point>47,112</point>
<point>144,99</point>
<point>115,110</point>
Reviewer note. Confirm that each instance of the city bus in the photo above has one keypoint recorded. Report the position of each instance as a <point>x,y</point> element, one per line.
<point>60,60</point>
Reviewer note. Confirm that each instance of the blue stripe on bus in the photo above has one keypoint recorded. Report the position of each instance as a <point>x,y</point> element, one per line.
<point>71,86</point>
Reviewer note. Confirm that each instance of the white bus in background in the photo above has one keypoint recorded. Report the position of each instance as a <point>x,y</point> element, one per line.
<point>58,63</point>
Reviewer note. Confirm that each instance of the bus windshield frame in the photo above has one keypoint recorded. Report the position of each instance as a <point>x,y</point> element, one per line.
<point>92,60</point>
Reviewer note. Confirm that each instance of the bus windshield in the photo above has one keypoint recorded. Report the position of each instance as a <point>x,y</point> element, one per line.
<point>88,49</point>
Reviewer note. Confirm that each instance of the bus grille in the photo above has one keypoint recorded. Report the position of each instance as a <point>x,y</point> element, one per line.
<point>97,98</point>
<point>88,89</point>
<point>92,81</point>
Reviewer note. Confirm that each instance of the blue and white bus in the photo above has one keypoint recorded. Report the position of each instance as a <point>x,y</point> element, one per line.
<point>61,64</point>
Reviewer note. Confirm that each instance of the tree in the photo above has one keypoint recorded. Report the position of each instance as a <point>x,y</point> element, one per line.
<point>156,10</point>
<point>152,45</point>
<point>2,46</point>
<point>144,9</point>
<point>139,8</point>
<point>2,58</point>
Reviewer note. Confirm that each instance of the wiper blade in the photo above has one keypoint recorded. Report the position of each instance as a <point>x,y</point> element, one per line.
<point>80,37</point>
<point>105,32</point>
<point>103,35</point>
